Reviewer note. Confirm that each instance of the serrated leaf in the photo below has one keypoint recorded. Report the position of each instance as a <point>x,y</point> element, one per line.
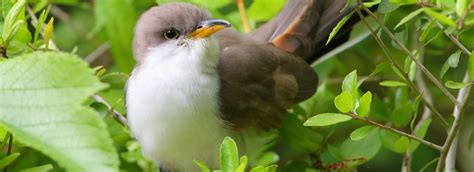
<point>43,168</point>
<point>202,166</point>
<point>440,17</point>
<point>456,85</point>
<point>409,17</point>
<point>229,156</point>
<point>8,159</point>
<point>470,66</point>
<point>393,84</point>
<point>41,107</point>
<point>452,62</point>
<point>326,119</point>
<point>339,25</point>
<point>364,104</point>
<point>343,102</point>
<point>361,132</point>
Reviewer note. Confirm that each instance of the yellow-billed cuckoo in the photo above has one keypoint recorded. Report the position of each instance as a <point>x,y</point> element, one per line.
<point>198,80</point>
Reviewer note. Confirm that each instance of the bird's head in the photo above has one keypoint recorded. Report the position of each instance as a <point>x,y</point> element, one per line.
<point>173,24</point>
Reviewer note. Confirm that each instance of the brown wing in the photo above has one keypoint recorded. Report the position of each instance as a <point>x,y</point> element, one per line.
<point>265,73</point>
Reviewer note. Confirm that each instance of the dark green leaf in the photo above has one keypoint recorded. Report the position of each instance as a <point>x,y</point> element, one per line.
<point>401,116</point>
<point>326,119</point>
<point>420,132</point>
<point>335,152</point>
<point>364,148</point>
<point>8,159</point>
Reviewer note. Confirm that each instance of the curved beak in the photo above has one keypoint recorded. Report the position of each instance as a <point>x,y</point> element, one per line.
<point>208,27</point>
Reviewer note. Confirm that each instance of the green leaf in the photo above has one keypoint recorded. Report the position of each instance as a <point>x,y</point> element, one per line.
<point>361,132</point>
<point>470,66</point>
<point>115,80</point>
<point>42,107</point>
<point>420,132</point>
<point>243,164</point>
<point>335,152</point>
<point>202,166</point>
<point>364,104</point>
<point>43,168</point>
<point>343,102</point>
<point>452,62</point>
<point>401,145</point>
<point>461,6</point>
<point>377,70</point>
<point>339,25</point>
<point>393,84</point>
<point>326,119</point>
<point>349,84</point>
<point>118,17</point>
<point>8,159</point>
<point>409,17</point>
<point>272,7</point>
<point>440,17</point>
<point>267,158</point>
<point>456,85</point>
<point>364,148</point>
<point>229,155</point>
<point>271,168</point>
<point>401,115</point>
<point>211,4</point>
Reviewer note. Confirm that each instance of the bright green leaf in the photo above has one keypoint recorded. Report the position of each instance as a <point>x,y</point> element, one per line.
<point>272,7</point>
<point>401,145</point>
<point>243,164</point>
<point>361,132</point>
<point>440,17</point>
<point>43,168</point>
<point>461,6</point>
<point>326,119</point>
<point>267,158</point>
<point>42,108</point>
<point>364,104</point>
<point>470,66</point>
<point>338,27</point>
<point>229,156</point>
<point>202,166</point>
<point>456,85</point>
<point>393,84</point>
<point>409,17</point>
<point>380,67</point>
<point>344,102</point>
<point>8,159</point>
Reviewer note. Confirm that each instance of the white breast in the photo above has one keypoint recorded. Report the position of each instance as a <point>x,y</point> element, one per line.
<point>172,105</point>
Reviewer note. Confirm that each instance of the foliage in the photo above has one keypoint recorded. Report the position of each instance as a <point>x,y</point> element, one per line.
<point>396,99</point>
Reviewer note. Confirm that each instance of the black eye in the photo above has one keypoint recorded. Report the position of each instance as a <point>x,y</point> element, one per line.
<point>171,34</point>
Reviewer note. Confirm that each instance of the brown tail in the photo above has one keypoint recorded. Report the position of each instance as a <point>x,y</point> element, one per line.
<point>302,27</point>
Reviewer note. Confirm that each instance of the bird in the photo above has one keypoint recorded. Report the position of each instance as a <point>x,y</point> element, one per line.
<point>198,80</point>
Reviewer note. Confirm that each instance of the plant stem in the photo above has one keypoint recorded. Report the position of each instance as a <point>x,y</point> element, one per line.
<point>9,150</point>
<point>464,14</point>
<point>243,15</point>
<point>453,39</point>
<point>418,63</point>
<point>399,68</point>
<point>114,113</point>
<point>449,148</point>
<point>413,137</point>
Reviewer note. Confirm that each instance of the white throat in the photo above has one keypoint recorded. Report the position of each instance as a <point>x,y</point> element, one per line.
<point>172,104</point>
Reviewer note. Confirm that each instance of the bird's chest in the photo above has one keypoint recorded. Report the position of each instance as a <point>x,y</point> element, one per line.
<point>173,113</point>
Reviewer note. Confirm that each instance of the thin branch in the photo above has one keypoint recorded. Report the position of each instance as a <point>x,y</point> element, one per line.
<point>9,150</point>
<point>418,63</point>
<point>410,136</point>
<point>449,148</point>
<point>399,68</point>
<point>114,113</point>
<point>453,39</point>
<point>243,15</point>
<point>464,14</point>
<point>94,55</point>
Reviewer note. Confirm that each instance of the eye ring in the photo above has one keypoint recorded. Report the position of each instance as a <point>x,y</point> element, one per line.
<point>171,34</point>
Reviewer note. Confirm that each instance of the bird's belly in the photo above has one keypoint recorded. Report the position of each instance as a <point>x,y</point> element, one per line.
<point>174,116</point>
